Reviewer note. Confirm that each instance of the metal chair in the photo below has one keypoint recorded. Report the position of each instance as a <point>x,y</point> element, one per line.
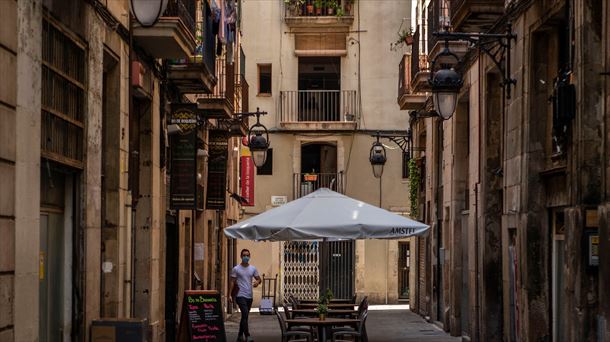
<point>359,334</point>
<point>289,334</point>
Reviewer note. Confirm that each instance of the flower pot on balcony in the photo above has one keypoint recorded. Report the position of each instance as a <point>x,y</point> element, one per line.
<point>348,7</point>
<point>322,317</point>
<point>309,9</point>
<point>409,40</point>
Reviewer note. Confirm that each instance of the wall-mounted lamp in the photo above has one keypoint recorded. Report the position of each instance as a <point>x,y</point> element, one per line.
<point>258,139</point>
<point>147,12</point>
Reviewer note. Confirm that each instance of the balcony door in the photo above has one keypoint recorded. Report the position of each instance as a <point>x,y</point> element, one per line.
<point>318,168</point>
<point>319,89</point>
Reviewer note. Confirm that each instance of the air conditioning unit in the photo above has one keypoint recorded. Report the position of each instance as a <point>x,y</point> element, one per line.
<point>141,88</point>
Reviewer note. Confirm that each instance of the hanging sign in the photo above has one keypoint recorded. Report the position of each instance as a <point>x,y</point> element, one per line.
<point>183,180</point>
<point>247,177</point>
<point>217,170</point>
<point>201,317</point>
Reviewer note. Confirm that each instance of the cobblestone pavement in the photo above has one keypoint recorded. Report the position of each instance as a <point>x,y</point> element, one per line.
<point>384,324</point>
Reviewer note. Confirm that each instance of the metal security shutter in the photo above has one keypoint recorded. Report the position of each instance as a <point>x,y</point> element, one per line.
<point>421,260</point>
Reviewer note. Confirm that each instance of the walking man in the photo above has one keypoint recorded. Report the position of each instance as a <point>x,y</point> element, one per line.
<point>242,274</point>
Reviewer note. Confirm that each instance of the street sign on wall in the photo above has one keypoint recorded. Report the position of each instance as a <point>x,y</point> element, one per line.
<point>183,180</point>
<point>217,170</point>
<point>247,180</point>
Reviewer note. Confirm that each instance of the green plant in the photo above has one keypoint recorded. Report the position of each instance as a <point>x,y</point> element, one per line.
<point>404,37</point>
<point>322,309</point>
<point>319,4</point>
<point>294,5</point>
<point>326,297</point>
<point>414,180</point>
<point>340,12</point>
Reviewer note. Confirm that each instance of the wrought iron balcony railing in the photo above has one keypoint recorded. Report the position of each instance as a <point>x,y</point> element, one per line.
<point>185,10</point>
<point>306,183</point>
<point>313,8</point>
<point>318,106</point>
<point>225,84</point>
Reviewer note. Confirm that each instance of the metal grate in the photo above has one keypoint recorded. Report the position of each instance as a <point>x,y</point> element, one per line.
<point>301,268</point>
<point>63,96</point>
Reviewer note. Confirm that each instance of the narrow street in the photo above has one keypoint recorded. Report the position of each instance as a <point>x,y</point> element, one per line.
<point>384,324</point>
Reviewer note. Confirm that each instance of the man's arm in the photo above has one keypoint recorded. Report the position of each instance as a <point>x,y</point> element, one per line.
<point>257,281</point>
<point>231,284</point>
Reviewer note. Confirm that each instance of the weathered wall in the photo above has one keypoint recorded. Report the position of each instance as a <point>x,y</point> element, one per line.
<point>27,170</point>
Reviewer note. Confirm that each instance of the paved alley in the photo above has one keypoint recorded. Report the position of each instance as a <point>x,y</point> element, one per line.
<point>385,325</point>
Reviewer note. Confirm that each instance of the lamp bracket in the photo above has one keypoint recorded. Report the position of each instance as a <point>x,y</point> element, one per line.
<point>401,140</point>
<point>495,45</point>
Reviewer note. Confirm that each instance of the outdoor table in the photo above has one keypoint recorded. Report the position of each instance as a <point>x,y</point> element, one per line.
<point>330,306</point>
<point>332,301</point>
<point>331,312</point>
<point>322,325</point>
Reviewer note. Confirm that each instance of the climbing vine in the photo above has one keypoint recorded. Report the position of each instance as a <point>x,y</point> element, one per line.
<point>414,180</point>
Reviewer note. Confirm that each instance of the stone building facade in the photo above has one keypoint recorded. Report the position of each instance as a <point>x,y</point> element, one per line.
<point>515,189</point>
<point>326,78</point>
<point>85,103</point>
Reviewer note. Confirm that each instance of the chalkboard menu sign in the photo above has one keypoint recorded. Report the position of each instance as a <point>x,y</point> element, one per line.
<point>201,318</point>
<point>217,170</point>
<point>183,189</point>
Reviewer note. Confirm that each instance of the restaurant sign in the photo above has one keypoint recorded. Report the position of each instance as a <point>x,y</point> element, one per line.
<point>183,180</point>
<point>217,170</point>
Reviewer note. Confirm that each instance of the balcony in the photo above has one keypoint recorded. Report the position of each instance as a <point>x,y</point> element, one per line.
<point>334,13</point>
<point>413,81</point>
<point>173,36</point>
<point>475,15</point>
<point>239,126</point>
<point>306,183</point>
<point>220,103</point>
<point>197,74</point>
<point>319,109</point>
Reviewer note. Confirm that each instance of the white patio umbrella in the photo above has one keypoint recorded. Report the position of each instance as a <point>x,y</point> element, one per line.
<point>325,215</point>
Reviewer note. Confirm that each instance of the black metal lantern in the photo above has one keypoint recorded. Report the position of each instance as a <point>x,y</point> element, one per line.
<point>377,158</point>
<point>258,141</point>
<point>446,84</point>
<point>147,12</point>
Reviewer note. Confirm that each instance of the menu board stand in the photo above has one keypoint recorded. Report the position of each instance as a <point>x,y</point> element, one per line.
<point>201,317</point>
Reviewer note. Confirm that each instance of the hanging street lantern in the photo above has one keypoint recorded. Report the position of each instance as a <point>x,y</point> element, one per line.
<point>377,157</point>
<point>147,12</point>
<point>258,139</point>
<point>446,84</point>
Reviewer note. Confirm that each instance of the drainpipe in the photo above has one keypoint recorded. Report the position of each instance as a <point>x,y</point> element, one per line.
<point>439,160</point>
<point>132,202</point>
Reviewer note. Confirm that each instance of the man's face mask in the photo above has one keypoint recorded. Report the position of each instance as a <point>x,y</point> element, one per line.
<point>245,259</point>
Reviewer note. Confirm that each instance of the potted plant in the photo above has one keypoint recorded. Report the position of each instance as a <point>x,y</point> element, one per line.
<point>319,5</point>
<point>331,7</point>
<point>309,7</point>
<point>347,7</point>
<point>405,37</point>
<point>295,6</point>
<point>322,310</point>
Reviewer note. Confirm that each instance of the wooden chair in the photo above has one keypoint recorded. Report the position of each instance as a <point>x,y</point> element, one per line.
<point>359,334</point>
<point>292,335</point>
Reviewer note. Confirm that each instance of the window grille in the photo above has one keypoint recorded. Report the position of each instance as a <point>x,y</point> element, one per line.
<point>63,96</point>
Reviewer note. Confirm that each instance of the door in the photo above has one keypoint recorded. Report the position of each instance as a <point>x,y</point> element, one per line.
<point>171,277</point>
<point>51,271</point>
<point>404,263</point>
<point>558,276</point>
<point>337,268</point>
